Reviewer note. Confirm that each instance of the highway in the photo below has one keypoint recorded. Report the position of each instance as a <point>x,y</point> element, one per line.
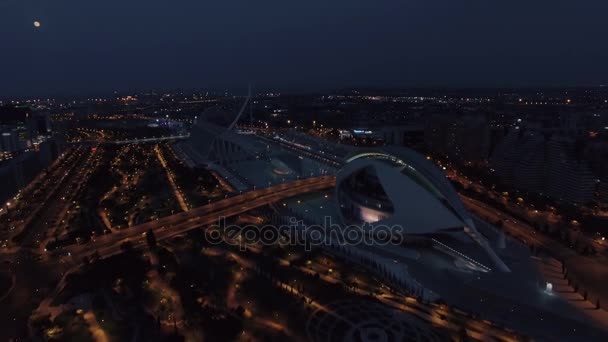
<point>590,273</point>
<point>45,192</point>
<point>132,141</point>
<point>32,275</point>
<point>178,224</point>
<point>183,222</point>
<point>54,211</point>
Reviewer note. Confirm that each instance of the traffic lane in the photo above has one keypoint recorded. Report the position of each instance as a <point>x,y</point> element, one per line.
<point>309,185</point>
<point>522,230</point>
<point>182,227</point>
<point>238,206</point>
<point>590,273</point>
<point>518,224</point>
<point>243,197</point>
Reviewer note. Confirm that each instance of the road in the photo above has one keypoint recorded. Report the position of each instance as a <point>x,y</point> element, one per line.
<point>133,141</point>
<point>171,178</point>
<point>167,227</point>
<point>54,213</point>
<point>590,272</point>
<point>183,222</point>
<point>33,278</point>
<point>438,315</point>
<point>46,194</point>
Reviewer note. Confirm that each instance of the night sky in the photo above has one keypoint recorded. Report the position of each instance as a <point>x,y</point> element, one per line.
<point>86,46</point>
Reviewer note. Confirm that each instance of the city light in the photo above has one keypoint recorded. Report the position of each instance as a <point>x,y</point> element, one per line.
<point>458,211</point>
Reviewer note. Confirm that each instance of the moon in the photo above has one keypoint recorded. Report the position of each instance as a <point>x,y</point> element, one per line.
<point>36,24</point>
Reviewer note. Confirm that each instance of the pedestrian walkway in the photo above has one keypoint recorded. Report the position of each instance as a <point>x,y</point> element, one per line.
<point>552,271</point>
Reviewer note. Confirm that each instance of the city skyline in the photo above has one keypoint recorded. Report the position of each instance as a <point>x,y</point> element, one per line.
<point>323,170</point>
<point>202,212</point>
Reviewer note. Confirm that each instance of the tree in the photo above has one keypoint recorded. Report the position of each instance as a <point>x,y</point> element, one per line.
<point>95,256</point>
<point>151,238</point>
<point>127,247</point>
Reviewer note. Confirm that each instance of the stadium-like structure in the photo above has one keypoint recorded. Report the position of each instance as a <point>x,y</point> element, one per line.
<point>445,252</point>
<point>396,186</point>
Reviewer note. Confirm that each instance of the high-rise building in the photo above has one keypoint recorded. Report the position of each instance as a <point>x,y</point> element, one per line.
<point>39,123</point>
<point>519,160</point>
<point>568,178</point>
<point>462,138</point>
<point>528,161</point>
<point>9,141</point>
<point>602,193</point>
<point>411,136</point>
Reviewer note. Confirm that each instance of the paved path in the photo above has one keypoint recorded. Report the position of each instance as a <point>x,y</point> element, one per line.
<point>590,272</point>
<point>552,271</point>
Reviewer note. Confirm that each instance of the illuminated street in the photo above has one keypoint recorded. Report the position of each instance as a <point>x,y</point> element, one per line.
<point>317,171</point>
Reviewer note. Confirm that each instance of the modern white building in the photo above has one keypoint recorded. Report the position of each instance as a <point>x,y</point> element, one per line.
<point>243,157</point>
<point>397,187</point>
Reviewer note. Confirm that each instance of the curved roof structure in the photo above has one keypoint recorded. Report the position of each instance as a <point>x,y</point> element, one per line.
<point>214,122</point>
<point>416,203</point>
<point>214,139</point>
<point>418,170</point>
<point>398,186</point>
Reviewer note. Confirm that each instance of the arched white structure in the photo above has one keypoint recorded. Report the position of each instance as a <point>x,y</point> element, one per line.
<point>397,186</point>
